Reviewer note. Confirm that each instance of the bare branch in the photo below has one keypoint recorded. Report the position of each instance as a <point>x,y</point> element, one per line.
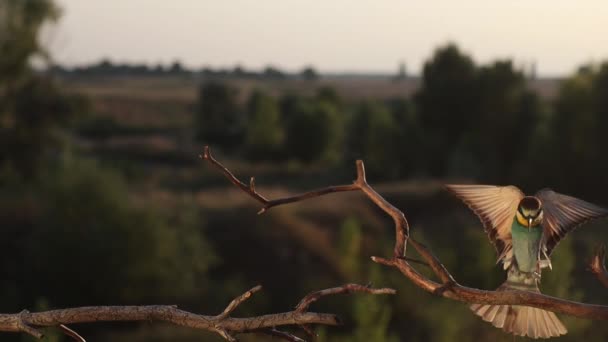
<point>598,266</point>
<point>267,204</point>
<point>447,286</point>
<point>345,289</point>
<point>402,227</point>
<point>221,324</point>
<point>237,301</point>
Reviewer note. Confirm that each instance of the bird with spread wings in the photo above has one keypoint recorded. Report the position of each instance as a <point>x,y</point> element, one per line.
<point>524,230</point>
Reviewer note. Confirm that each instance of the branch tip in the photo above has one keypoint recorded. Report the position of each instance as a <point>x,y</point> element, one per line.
<point>360,172</point>
<point>206,153</point>
<point>283,335</point>
<point>222,332</point>
<point>238,301</point>
<point>383,261</point>
<point>597,266</point>
<point>71,333</point>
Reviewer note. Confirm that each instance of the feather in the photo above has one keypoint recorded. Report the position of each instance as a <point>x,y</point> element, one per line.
<point>501,316</point>
<point>495,206</point>
<point>562,214</point>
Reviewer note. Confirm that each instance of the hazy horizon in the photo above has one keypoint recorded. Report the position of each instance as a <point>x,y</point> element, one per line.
<point>337,36</point>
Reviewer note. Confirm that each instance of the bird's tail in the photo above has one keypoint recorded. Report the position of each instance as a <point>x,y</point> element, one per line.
<point>521,320</point>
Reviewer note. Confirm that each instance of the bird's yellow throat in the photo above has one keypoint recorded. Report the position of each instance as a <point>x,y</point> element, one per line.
<point>524,222</point>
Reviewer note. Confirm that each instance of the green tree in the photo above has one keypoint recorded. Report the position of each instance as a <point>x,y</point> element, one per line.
<point>409,157</point>
<point>313,131</point>
<point>33,112</point>
<point>20,25</point>
<point>273,73</point>
<point>79,235</point>
<point>220,122</point>
<point>264,133</point>
<point>329,95</point>
<point>447,103</point>
<point>572,142</point>
<point>509,113</point>
<point>372,136</point>
<point>39,116</point>
<point>309,74</point>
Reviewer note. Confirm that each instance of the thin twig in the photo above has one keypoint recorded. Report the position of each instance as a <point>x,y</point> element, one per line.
<point>283,335</point>
<point>71,333</point>
<point>344,289</point>
<point>267,204</point>
<point>415,261</point>
<point>598,266</point>
<point>402,227</point>
<point>237,301</point>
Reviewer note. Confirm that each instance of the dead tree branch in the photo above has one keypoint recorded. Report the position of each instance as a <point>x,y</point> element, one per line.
<point>360,183</point>
<point>446,286</point>
<point>222,324</point>
<point>267,204</point>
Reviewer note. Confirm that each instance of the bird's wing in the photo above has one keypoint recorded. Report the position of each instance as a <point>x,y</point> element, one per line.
<point>495,206</point>
<point>562,214</point>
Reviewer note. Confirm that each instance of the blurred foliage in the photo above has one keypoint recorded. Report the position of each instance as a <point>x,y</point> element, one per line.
<point>447,102</point>
<point>372,134</point>
<point>313,131</point>
<point>371,314</point>
<point>309,73</point>
<point>576,134</point>
<point>507,120</point>
<point>219,120</point>
<point>79,221</point>
<point>32,109</point>
<point>20,23</point>
<point>263,134</point>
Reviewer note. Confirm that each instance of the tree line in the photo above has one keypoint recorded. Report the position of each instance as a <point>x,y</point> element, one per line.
<point>466,120</point>
<point>107,68</point>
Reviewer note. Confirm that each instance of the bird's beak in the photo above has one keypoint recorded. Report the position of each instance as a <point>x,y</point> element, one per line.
<point>529,222</point>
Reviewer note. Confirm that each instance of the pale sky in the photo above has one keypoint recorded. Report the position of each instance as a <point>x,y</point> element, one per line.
<point>332,35</point>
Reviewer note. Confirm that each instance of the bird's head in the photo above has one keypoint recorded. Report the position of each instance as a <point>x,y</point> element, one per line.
<point>530,212</point>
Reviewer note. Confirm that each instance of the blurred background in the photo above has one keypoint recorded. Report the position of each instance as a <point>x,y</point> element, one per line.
<point>105,107</point>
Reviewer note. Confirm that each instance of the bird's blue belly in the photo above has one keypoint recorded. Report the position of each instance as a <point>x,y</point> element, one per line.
<point>526,246</point>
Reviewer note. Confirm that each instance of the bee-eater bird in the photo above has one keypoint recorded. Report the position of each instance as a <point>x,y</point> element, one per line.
<point>524,230</point>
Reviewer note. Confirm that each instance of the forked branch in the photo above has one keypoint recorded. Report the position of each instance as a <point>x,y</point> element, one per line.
<point>446,286</point>
<point>266,203</point>
<point>401,225</point>
<point>222,324</point>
